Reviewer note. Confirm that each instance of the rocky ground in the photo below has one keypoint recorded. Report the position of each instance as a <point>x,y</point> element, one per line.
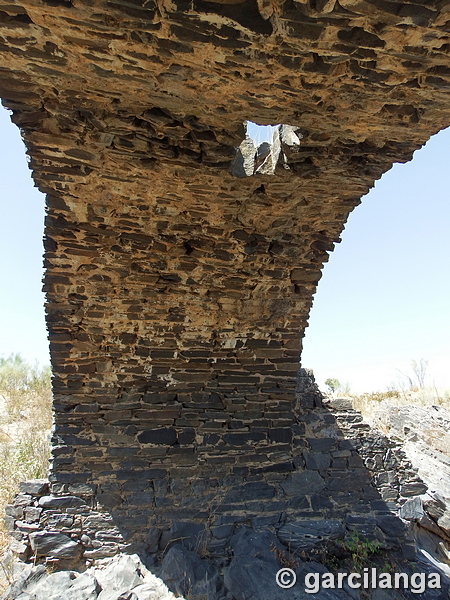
<point>422,426</point>
<point>249,576</point>
<point>425,434</point>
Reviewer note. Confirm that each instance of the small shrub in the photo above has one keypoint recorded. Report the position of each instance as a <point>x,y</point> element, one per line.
<point>354,551</point>
<point>285,560</point>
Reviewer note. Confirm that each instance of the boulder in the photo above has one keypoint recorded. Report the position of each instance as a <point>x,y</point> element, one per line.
<point>187,574</point>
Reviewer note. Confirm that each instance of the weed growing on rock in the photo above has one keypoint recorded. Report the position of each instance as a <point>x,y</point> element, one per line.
<point>286,560</point>
<point>355,552</point>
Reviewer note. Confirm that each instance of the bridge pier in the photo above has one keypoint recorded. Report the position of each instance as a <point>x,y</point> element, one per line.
<point>177,292</point>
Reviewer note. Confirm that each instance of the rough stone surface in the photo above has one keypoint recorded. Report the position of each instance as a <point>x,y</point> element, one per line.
<point>425,433</point>
<point>54,545</point>
<point>178,292</point>
<point>307,534</point>
<point>118,578</point>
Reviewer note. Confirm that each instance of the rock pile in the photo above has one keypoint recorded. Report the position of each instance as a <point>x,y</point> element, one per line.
<point>123,577</point>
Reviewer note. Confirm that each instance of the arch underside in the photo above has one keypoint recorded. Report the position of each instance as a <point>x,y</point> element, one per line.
<point>177,293</point>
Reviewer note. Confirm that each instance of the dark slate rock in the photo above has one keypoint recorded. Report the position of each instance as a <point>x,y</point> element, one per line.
<point>221,532</point>
<point>35,487</point>
<point>23,500</point>
<point>186,573</point>
<point>317,460</point>
<point>248,542</point>
<point>152,540</point>
<point>251,574</point>
<point>54,586</point>
<point>58,521</point>
<point>310,533</point>
<point>435,507</point>
<point>244,162</point>
<point>28,576</point>
<point>281,434</point>
<point>303,482</point>
<point>82,489</point>
<point>54,545</point>
<point>253,490</point>
<point>322,444</point>
<point>189,535</point>
<point>391,525</point>
<point>162,435</point>
<point>61,502</point>
<point>413,488</point>
<point>14,511</point>
<point>319,502</point>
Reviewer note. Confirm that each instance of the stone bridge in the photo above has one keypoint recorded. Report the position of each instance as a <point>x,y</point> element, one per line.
<point>178,288</point>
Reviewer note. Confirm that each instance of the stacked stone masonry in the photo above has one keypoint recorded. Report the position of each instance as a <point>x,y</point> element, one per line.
<point>177,292</point>
<point>340,476</point>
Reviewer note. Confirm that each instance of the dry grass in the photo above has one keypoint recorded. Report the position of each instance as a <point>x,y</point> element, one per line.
<point>25,422</point>
<point>370,403</point>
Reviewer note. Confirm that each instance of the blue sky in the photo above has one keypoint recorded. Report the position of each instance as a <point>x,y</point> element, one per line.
<point>22,325</point>
<point>383,299</point>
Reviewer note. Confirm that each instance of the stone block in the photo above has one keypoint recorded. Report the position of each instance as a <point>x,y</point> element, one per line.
<point>61,502</point>
<point>391,525</point>
<point>187,534</point>
<point>54,545</point>
<point>317,460</point>
<point>34,487</point>
<point>412,510</point>
<point>164,435</point>
<point>303,482</point>
<point>308,534</point>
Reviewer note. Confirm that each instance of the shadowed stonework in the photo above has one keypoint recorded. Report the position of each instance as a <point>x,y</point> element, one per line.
<point>178,290</point>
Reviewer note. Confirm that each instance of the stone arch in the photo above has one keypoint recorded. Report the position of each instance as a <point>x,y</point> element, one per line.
<point>177,293</point>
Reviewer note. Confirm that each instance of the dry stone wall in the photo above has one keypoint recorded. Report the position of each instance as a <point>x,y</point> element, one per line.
<point>177,292</point>
<point>337,475</point>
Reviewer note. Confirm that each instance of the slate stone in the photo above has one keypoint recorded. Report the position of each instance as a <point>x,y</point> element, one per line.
<point>182,569</point>
<point>184,533</point>
<point>246,492</point>
<point>54,545</point>
<point>308,534</point>
<point>391,526</point>
<point>162,435</point>
<point>248,542</point>
<point>412,510</point>
<point>280,434</point>
<point>53,586</point>
<point>322,444</point>
<point>121,573</point>
<point>14,511</point>
<point>35,487</point>
<point>252,571</point>
<point>435,507</point>
<point>317,460</point>
<point>61,502</point>
<point>303,482</point>
<point>413,489</point>
<point>64,585</point>
<point>152,540</point>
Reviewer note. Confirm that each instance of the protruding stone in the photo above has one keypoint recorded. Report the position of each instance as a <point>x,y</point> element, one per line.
<point>54,545</point>
<point>61,502</point>
<point>35,487</point>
